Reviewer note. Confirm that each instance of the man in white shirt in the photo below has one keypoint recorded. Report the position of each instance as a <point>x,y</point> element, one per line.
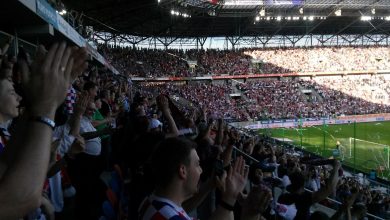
<point>85,170</point>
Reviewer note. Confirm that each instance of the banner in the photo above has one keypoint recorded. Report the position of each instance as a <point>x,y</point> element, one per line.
<point>67,30</point>
<point>47,13</point>
<point>307,122</point>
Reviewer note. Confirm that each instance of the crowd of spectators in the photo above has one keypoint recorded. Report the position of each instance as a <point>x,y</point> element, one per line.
<point>274,98</point>
<point>374,88</point>
<point>214,98</point>
<point>170,62</point>
<point>147,62</point>
<point>64,127</point>
<point>285,98</point>
<point>323,59</point>
<point>317,97</point>
<point>158,63</point>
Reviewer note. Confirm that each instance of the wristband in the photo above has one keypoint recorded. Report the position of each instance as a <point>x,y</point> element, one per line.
<point>45,120</point>
<point>226,206</point>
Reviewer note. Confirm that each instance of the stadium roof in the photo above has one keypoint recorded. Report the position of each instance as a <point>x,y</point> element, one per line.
<point>169,18</point>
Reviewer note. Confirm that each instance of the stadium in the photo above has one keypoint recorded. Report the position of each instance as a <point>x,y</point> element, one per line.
<point>195,109</point>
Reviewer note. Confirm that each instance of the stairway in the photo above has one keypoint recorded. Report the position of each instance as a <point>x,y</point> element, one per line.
<point>310,96</point>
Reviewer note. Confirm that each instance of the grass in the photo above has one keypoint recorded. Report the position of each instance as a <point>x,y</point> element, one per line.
<point>366,153</point>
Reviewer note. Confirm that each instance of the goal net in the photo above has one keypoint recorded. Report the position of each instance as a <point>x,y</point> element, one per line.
<point>369,155</point>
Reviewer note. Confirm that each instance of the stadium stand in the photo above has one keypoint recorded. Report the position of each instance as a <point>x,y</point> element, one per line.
<point>156,63</point>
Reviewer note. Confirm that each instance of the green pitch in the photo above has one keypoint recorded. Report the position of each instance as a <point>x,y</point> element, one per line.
<point>361,145</point>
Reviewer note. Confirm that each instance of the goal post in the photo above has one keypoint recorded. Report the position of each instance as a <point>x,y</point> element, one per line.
<point>371,154</point>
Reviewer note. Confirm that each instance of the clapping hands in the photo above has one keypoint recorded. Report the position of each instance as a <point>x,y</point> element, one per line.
<point>256,202</point>
<point>233,182</point>
<point>82,103</point>
<point>49,76</point>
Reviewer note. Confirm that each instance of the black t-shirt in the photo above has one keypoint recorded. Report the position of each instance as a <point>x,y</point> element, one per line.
<point>302,203</point>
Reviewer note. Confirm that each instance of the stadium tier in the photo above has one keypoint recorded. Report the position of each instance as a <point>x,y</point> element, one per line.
<point>152,63</point>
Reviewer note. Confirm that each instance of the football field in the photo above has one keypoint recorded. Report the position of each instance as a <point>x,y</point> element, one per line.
<point>364,146</point>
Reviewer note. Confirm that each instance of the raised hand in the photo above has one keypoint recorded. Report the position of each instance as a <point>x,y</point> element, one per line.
<point>82,103</point>
<point>6,64</point>
<point>162,102</point>
<point>226,155</point>
<point>256,202</point>
<point>235,181</point>
<point>77,146</point>
<point>47,82</point>
<point>4,50</point>
<point>80,56</point>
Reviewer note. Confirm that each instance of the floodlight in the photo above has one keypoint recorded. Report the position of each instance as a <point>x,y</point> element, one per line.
<point>338,12</point>
<point>262,12</point>
<point>63,12</point>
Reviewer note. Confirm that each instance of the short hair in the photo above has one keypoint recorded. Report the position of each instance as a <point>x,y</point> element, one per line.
<point>89,85</point>
<point>104,93</point>
<point>297,180</point>
<point>167,158</point>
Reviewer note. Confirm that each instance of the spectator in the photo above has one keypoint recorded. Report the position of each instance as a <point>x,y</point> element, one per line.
<point>177,172</point>
<point>28,157</point>
<point>302,199</point>
<point>8,110</point>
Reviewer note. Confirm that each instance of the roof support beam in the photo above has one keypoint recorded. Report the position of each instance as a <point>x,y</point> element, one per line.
<point>166,41</point>
<point>201,41</point>
<point>294,39</point>
<point>233,40</point>
<point>264,39</point>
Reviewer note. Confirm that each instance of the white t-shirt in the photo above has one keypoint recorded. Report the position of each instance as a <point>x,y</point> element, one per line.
<point>66,139</point>
<point>286,181</point>
<point>92,146</point>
